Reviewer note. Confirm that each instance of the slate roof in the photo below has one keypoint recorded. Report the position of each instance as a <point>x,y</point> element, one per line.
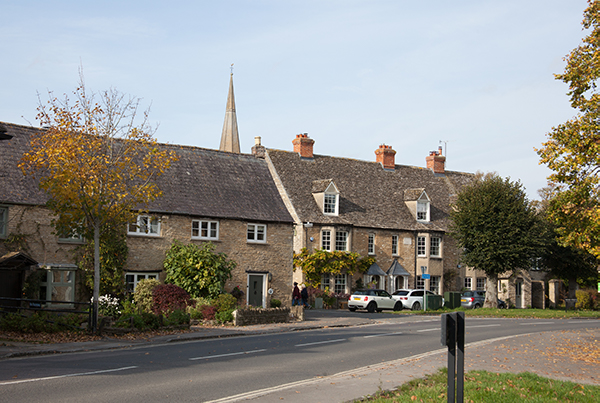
<point>370,196</point>
<point>203,182</point>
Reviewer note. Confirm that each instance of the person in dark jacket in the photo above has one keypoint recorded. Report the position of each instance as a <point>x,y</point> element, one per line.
<point>304,295</point>
<point>296,295</point>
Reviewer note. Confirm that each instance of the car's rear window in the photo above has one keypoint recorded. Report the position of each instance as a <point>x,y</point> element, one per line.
<point>363,292</point>
<point>400,292</point>
<point>468,294</point>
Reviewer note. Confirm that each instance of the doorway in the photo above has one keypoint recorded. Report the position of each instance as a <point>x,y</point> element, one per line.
<point>519,293</point>
<point>256,289</point>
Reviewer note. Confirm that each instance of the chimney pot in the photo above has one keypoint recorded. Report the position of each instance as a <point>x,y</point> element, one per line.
<point>303,145</point>
<point>385,155</point>
<point>436,161</point>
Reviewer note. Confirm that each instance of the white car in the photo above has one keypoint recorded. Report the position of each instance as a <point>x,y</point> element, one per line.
<point>373,300</point>
<point>411,299</point>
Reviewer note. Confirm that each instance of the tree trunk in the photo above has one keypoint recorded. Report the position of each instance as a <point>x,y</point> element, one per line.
<point>96,277</point>
<point>491,292</point>
<point>572,294</point>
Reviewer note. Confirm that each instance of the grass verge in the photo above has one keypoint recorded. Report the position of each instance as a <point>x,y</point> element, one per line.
<point>483,386</point>
<point>514,313</point>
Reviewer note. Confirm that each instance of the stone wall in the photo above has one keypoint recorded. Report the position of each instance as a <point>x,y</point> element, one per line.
<point>245,317</point>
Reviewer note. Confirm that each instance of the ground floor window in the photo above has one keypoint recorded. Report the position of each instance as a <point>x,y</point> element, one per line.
<point>59,284</point>
<point>468,283</point>
<point>325,278</point>
<point>481,283</point>
<point>340,284</point>
<point>420,283</point>
<point>133,278</point>
<point>434,284</point>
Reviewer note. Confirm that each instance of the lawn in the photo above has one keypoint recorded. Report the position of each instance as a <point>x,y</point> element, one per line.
<point>483,386</point>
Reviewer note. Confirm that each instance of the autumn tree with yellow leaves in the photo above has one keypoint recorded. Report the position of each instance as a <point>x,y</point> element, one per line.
<point>97,160</point>
<point>572,149</point>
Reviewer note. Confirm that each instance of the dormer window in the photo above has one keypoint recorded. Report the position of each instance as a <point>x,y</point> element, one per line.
<point>327,196</point>
<point>419,204</point>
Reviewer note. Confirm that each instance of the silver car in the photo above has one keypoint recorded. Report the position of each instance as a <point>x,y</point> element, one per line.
<point>373,300</point>
<point>476,299</point>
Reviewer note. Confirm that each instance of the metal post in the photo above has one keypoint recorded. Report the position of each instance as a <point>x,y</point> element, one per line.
<point>451,329</point>
<point>460,357</point>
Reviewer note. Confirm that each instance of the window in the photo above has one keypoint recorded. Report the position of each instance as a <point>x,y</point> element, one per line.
<point>468,284</point>
<point>341,240</point>
<point>326,240</point>
<point>205,229</point>
<point>59,284</point>
<point>133,278</point>
<point>257,233</point>
<point>423,210</point>
<point>71,237</point>
<point>434,246</point>
<point>371,246</point>
<point>325,279</point>
<point>434,284</point>
<point>394,245</point>
<point>3,221</point>
<point>481,283</point>
<point>421,246</point>
<point>420,283</point>
<point>330,204</point>
<point>145,225</point>
<point>340,284</point>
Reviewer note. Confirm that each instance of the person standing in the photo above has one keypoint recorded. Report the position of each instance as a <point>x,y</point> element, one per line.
<point>304,296</point>
<point>296,295</point>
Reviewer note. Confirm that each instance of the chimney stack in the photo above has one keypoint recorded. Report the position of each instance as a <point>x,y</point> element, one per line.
<point>303,145</point>
<point>436,161</point>
<point>258,150</point>
<point>386,156</point>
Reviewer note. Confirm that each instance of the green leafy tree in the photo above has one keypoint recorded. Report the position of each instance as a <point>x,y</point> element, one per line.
<point>97,161</point>
<point>497,228</point>
<point>199,270</point>
<point>320,261</point>
<point>572,149</point>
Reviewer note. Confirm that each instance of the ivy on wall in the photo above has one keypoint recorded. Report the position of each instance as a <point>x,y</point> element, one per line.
<point>320,262</point>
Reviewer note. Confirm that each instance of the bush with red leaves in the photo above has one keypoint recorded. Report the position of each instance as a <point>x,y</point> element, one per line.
<point>167,298</point>
<point>209,312</point>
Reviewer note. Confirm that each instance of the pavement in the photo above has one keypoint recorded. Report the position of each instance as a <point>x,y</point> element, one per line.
<point>558,355</point>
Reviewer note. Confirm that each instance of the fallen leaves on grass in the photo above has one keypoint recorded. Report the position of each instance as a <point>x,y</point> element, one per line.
<point>76,337</point>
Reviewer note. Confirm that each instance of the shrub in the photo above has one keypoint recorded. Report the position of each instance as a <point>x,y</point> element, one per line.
<point>108,306</point>
<point>177,318</point>
<point>224,316</point>
<point>209,312</point>
<point>168,298</point>
<point>225,302</point>
<point>275,303</point>
<point>40,322</point>
<point>143,295</point>
<point>584,299</point>
<point>140,321</point>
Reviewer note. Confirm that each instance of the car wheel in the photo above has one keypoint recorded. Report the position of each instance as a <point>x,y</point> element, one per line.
<point>352,309</point>
<point>477,306</point>
<point>416,306</point>
<point>371,307</point>
<point>398,306</point>
<point>380,310</point>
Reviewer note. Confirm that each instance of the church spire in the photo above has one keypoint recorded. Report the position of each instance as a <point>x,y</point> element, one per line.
<point>230,139</point>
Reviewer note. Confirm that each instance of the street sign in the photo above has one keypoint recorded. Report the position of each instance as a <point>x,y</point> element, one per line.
<point>426,276</point>
<point>423,269</point>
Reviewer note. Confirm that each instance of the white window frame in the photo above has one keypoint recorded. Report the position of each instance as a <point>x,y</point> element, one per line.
<point>421,246</point>
<point>480,283</point>
<point>325,280</point>
<point>256,231</point>
<point>371,244</point>
<point>211,226</point>
<point>69,274</point>
<point>151,225</point>
<point>423,208</point>
<point>340,283</point>
<point>341,244</point>
<point>331,200</point>
<point>3,221</point>
<point>468,283</point>
<point>434,284</point>
<point>326,239</point>
<point>419,283</point>
<point>394,245</point>
<point>435,246</point>
<point>136,277</point>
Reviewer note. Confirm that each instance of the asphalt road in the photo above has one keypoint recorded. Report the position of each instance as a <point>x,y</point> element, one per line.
<point>207,370</point>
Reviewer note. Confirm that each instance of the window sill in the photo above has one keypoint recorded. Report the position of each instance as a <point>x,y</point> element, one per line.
<point>135,235</point>
<point>256,242</point>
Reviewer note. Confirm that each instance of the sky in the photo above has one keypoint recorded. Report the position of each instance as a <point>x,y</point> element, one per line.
<point>475,76</point>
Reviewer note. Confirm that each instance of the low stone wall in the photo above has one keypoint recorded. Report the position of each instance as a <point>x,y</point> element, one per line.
<point>245,317</point>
